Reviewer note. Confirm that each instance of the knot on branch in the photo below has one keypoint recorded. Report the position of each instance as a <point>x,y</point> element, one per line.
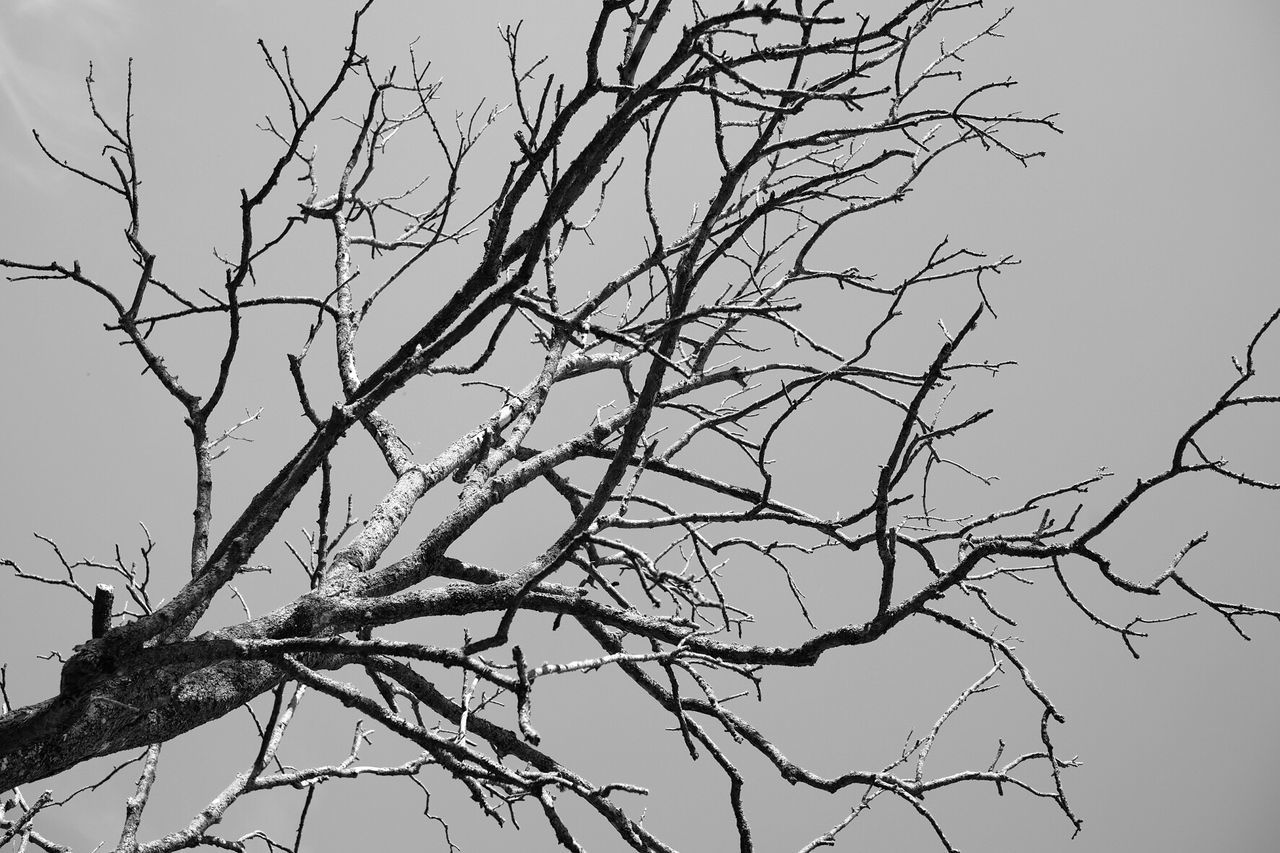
<point>89,662</point>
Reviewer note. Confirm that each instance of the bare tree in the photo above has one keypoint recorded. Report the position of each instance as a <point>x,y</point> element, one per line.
<point>796,119</point>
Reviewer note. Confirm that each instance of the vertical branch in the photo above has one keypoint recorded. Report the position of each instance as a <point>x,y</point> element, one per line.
<point>890,473</point>
<point>202,514</point>
<point>103,599</point>
<point>136,803</point>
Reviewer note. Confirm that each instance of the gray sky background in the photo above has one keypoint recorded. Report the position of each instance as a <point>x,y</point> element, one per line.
<point>1147,240</point>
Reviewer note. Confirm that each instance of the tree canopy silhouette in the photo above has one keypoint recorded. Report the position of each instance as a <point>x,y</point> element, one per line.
<point>647,387</point>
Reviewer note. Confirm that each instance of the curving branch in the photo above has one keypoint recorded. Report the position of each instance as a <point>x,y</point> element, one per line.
<point>786,122</point>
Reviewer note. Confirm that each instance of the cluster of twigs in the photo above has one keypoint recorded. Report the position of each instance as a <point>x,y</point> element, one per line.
<point>813,118</point>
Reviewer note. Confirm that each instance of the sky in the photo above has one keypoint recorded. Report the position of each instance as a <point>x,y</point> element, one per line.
<point>1145,237</point>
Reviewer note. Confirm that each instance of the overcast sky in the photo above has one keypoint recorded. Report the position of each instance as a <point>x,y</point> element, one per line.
<point>1147,238</point>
